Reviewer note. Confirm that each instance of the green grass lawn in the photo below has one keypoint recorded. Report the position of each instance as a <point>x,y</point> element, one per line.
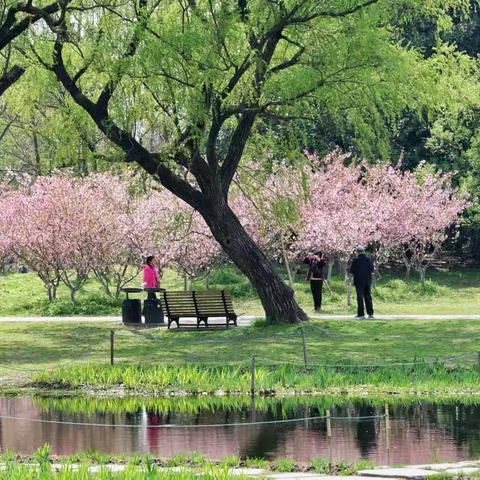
<point>443,293</point>
<point>73,354</point>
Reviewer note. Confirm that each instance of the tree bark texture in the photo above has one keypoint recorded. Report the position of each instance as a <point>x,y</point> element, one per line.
<point>277,298</point>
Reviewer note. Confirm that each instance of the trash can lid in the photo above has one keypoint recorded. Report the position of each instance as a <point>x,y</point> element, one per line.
<point>154,290</point>
<point>132,290</point>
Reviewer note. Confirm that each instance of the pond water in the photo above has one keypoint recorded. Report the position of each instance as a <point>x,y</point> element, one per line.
<point>417,433</point>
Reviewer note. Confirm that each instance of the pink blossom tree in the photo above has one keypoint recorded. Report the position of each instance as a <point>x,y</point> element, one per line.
<point>193,249</point>
<point>32,235</point>
<point>121,248</point>
<point>269,210</point>
<point>414,211</point>
<point>337,215</point>
<point>377,205</point>
<point>177,235</point>
<point>5,238</point>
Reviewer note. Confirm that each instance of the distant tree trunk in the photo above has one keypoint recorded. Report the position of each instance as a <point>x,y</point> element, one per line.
<point>51,290</point>
<point>73,292</point>
<point>347,283</point>
<point>207,281</point>
<point>422,271</point>
<point>36,149</point>
<point>187,283</point>
<point>330,264</point>
<point>286,262</point>
<point>408,268</point>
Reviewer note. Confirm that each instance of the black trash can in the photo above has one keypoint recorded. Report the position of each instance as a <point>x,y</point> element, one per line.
<point>132,307</point>
<point>152,308</point>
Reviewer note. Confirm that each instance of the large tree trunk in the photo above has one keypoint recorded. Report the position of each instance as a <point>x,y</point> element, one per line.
<point>276,297</point>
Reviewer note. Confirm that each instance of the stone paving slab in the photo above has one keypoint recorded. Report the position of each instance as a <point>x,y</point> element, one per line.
<point>406,472</point>
<point>446,466</point>
<point>317,476</point>
<point>455,471</point>
<point>249,472</point>
<point>292,475</point>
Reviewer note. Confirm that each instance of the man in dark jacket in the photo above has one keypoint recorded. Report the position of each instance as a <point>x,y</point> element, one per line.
<point>362,270</point>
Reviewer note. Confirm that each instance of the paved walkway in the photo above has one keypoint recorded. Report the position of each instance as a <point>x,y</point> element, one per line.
<point>243,321</point>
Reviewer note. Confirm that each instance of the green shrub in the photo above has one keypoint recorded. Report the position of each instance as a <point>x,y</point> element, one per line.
<point>91,305</point>
<point>320,465</point>
<point>230,461</point>
<point>192,459</point>
<point>89,456</point>
<point>255,462</point>
<point>284,465</point>
<point>362,464</point>
<point>42,454</point>
<point>226,276</point>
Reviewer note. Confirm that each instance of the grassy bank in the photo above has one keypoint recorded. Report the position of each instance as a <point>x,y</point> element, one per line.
<point>420,378</point>
<point>374,356</point>
<point>443,293</point>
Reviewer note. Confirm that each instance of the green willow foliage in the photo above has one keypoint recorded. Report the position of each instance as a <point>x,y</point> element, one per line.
<point>346,68</point>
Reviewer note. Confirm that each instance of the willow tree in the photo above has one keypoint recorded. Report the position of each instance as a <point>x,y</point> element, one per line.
<point>181,86</point>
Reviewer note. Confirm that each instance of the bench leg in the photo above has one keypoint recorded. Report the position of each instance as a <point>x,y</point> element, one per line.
<point>173,319</point>
<point>202,319</point>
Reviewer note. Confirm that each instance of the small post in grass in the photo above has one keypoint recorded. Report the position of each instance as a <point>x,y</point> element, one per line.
<point>305,355</point>
<point>112,347</point>
<point>387,431</point>
<point>329,423</point>
<point>252,377</point>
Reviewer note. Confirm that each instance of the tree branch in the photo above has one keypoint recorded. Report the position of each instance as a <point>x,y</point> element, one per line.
<point>332,14</point>
<point>153,163</point>
<point>11,29</point>
<point>9,78</point>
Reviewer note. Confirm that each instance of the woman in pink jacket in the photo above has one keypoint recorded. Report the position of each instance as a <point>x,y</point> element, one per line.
<point>151,276</point>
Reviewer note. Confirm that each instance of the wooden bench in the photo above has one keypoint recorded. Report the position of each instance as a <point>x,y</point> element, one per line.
<point>198,304</point>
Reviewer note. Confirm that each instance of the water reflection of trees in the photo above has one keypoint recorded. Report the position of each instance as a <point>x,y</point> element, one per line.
<point>463,423</point>
<point>417,430</point>
<point>366,430</point>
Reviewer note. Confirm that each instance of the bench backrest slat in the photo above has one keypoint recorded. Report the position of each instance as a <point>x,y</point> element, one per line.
<point>197,303</point>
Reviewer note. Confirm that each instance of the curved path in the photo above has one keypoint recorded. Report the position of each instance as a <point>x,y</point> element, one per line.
<point>243,320</point>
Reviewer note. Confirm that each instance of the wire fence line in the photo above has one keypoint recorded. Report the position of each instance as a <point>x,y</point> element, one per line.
<point>261,361</point>
<point>266,363</point>
<point>193,426</point>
